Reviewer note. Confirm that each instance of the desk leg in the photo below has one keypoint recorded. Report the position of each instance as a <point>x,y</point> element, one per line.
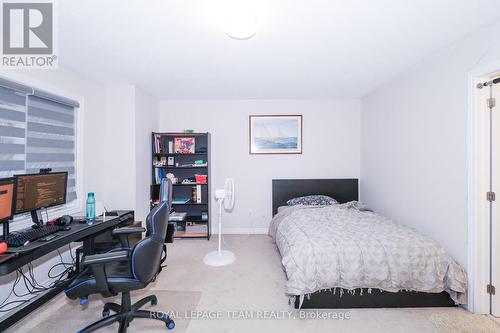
<point>88,246</point>
<point>86,249</point>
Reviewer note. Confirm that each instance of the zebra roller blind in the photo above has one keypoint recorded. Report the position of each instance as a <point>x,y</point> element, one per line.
<point>37,130</point>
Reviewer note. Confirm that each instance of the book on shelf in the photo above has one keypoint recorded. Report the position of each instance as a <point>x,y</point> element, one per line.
<point>157,145</point>
<point>192,165</point>
<point>184,145</point>
<point>158,175</point>
<point>180,200</point>
<point>177,216</point>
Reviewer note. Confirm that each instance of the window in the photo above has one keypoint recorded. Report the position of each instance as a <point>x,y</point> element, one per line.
<point>37,130</point>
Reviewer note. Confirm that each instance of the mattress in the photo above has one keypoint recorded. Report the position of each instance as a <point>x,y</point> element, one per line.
<point>342,246</point>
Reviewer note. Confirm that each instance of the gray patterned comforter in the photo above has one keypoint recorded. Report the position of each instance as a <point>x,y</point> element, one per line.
<point>341,246</point>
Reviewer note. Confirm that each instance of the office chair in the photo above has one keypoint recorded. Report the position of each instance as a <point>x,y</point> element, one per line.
<point>123,270</point>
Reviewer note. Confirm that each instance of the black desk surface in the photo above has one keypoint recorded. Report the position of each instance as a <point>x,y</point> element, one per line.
<point>78,232</point>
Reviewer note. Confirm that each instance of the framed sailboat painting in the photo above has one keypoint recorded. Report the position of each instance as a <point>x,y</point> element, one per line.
<point>275,134</point>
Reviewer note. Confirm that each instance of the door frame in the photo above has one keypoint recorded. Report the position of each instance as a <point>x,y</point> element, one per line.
<point>477,205</point>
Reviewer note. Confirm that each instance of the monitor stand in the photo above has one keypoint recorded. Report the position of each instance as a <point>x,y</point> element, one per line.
<point>36,216</point>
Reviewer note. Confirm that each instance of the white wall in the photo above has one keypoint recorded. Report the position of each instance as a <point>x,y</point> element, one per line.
<point>146,121</point>
<point>131,116</point>
<point>413,143</point>
<point>330,149</point>
<point>119,160</point>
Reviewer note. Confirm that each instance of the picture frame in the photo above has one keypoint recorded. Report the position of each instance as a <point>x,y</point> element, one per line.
<point>275,134</point>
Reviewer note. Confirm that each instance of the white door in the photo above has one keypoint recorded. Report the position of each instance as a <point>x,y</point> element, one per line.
<point>495,207</point>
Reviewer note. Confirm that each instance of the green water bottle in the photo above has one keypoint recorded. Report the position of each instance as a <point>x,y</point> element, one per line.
<point>90,211</point>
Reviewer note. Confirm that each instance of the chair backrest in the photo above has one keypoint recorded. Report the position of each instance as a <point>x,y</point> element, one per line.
<point>166,190</point>
<point>165,196</point>
<point>146,254</point>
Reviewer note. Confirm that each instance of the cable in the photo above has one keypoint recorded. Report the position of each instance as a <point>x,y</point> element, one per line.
<point>32,286</point>
<point>3,305</point>
<point>11,290</point>
<point>71,254</point>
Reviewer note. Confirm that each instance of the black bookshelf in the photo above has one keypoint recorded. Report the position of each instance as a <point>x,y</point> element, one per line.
<point>184,167</point>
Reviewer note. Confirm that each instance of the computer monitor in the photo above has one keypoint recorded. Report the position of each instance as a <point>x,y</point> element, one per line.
<point>7,198</point>
<point>41,190</point>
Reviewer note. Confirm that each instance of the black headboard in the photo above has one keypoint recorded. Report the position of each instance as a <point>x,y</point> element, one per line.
<point>342,190</point>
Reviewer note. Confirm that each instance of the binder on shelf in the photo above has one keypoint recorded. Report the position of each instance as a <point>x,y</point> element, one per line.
<point>198,193</point>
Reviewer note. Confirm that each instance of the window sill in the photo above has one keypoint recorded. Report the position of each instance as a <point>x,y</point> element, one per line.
<point>24,221</point>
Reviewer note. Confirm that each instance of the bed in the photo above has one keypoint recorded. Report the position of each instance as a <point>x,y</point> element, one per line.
<point>344,256</point>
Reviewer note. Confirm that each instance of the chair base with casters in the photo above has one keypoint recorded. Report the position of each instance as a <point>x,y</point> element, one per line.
<point>125,312</point>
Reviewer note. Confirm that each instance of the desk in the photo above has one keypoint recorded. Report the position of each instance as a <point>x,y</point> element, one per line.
<point>80,232</point>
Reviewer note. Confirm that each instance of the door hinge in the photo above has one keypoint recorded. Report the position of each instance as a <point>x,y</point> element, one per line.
<point>491,102</point>
<point>490,196</point>
<point>490,289</point>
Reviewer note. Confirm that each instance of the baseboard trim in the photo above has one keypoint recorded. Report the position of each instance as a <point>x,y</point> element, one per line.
<point>243,231</point>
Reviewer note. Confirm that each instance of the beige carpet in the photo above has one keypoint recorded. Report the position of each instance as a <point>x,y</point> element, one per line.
<point>464,322</point>
<point>64,315</point>
<point>238,296</point>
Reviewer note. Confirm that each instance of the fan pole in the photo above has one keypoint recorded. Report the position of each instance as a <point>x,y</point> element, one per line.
<point>219,250</point>
<point>221,257</point>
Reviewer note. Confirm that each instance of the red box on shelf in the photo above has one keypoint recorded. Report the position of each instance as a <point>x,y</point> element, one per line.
<point>201,179</point>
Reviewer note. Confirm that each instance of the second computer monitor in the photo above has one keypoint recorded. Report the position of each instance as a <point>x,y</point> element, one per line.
<point>42,190</point>
<point>7,198</point>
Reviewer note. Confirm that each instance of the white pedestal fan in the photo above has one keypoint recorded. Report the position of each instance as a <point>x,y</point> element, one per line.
<point>223,196</point>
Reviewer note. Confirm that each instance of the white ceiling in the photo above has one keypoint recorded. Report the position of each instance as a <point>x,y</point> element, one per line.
<point>308,49</point>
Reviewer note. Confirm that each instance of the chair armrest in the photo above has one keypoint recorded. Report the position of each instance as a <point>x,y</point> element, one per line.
<point>127,230</point>
<point>104,258</point>
<point>123,233</point>
<point>97,263</point>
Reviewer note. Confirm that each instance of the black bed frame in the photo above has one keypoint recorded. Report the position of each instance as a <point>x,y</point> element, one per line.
<point>345,190</point>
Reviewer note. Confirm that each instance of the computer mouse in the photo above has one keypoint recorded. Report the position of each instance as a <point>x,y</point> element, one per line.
<point>64,220</point>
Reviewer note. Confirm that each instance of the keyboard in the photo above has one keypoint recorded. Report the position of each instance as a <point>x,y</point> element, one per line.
<point>19,238</point>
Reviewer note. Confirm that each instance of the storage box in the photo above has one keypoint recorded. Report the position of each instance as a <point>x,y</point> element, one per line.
<point>201,179</point>
<point>196,228</point>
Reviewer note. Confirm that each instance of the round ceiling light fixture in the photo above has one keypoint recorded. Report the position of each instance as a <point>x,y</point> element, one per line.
<point>240,24</point>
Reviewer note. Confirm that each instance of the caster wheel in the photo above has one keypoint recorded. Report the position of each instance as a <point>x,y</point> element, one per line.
<point>170,325</point>
<point>105,313</point>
